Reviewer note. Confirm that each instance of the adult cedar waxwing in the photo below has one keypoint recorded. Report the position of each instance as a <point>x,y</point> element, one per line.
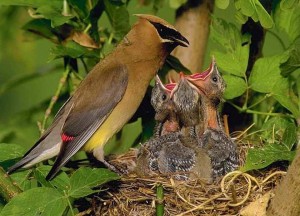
<point>221,149</point>
<point>165,116</point>
<point>108,96</point>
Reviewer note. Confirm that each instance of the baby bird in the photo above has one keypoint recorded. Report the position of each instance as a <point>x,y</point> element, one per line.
<point>147,158</point>
<point>221,149</point>
<point>211,87</point>
<point>164,107</point>
<point>175,155</point>
<point>187,105</point>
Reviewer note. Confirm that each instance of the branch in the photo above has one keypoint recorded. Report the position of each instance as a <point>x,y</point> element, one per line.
<point>287,193</point>
<point>193,21</point>
<point>8,188</point>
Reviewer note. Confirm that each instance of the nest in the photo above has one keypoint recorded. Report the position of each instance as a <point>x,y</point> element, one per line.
<point>134,195</point>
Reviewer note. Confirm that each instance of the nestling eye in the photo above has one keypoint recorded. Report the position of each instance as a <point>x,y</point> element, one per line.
<point>215,79</point>
<point>164,97</point>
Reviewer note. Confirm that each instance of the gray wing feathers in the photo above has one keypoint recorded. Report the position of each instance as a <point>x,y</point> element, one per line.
<point>88,114</point>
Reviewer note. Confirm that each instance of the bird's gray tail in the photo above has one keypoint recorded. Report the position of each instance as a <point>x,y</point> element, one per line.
<point>45,148</point>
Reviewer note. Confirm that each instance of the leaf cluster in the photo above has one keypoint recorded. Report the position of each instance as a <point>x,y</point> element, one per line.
<point>270,90</point>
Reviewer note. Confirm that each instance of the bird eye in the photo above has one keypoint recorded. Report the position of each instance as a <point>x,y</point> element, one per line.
<point>164,97</point>
<point>215,79</point>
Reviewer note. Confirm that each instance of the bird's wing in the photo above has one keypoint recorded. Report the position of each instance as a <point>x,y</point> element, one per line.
<point>87,114</point>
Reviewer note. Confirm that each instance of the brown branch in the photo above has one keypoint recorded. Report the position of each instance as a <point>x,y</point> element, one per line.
<point>193,21</point>
<point>287,193</point>
<point>8,188</point>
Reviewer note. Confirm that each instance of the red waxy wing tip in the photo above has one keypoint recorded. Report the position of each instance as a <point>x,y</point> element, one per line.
<point>66,138</point>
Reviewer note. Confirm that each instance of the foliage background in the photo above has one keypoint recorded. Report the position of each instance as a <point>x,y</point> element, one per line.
<point>31,69</point>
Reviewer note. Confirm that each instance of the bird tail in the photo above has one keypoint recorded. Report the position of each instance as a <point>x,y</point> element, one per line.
<point>45,148</point>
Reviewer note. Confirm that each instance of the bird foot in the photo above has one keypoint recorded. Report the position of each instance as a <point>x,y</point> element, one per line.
<point>112,168</point>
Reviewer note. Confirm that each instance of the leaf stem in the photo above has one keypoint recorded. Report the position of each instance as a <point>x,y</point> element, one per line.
<point>247,94</point>
<point>69,203</point>
<point>90,4</point>
<point>259,101</point>
<point>160,200</point>
<point>111,37</point>
<point>268,114</point>
<point>240,109</point>
<point>66,9</point>
<point>87,28</point>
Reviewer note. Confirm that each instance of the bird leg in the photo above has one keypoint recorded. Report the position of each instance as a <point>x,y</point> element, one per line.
<point>113,168</point>
<point>99,155</point>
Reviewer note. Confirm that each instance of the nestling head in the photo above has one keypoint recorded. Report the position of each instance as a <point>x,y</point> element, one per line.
<point>210,83</point>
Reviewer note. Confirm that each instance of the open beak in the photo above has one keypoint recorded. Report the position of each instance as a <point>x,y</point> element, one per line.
<point>168,87</point>
<point>199,79</point>
<point>203,75</point>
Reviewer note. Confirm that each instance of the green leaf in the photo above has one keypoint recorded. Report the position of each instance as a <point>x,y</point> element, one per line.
<point>32,3</point>
<point>288,21</point>
<point>176,3</point>
<point>95,13</point>
<point>274,128</point>
<point>233,63</point>
<point>22,179</point>
<point>255,10</point>
<point>118,17</point>
<point>287,4</point>
<point>293,62</point>
<point>61,181</point>
<point>241,18</point>
<point>107,48</point>
<point>235,86</point>
<point>10,151</point>
<point>263,157</point>
<point>264,18</point>
<point>234,58</point>
<point>37,201</point>
<point>281,93</point>
<point>265,73</point>
<point>81,8</point>
<point>54,14</point>
<point>73,50</point>
<point>28,94</point>
<point>247,7</point>
<point>289,137</point>
<point>222,4</point>
<point>84,179</point>
<point>42,28</point>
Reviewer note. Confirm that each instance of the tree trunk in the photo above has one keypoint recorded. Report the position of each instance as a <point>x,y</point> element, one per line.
<point>193,21</point>
<point>287,193</point>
